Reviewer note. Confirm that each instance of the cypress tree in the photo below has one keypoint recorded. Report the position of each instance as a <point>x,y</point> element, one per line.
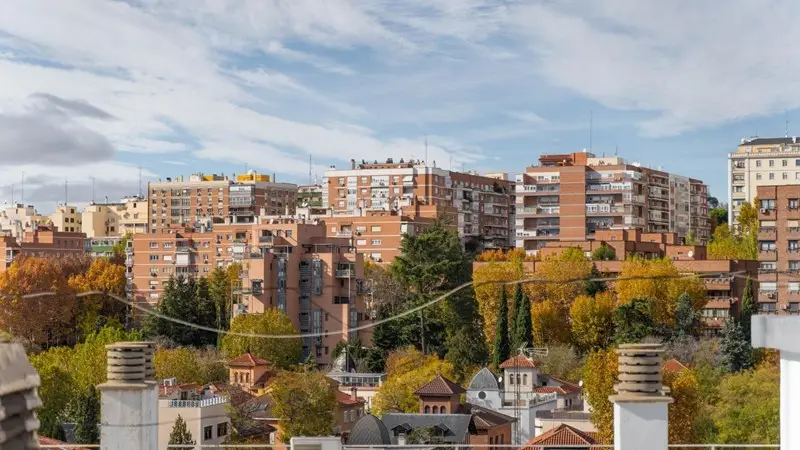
<point>748,307</point>
<point>686,319</point>
<point>735,347</point>
<point>88,416</point>
<point>502,346</point>
<point>523,324</point>
<point>180,434</point>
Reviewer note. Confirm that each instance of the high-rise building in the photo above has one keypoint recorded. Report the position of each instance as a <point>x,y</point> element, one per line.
<point>67,218</point>
<point>217,199</point>
<point>779,249</point>
<point>568,197</point>
<point>479,206</point>
<point>760,162</point>
<point>287,263</point>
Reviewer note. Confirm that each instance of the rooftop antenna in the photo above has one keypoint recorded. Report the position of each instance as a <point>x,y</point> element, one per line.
<point>786,120</point>
<point>310,165</point>
<point>140,187</point>
<point>616,150</point>
<point>66,196</point>
<point>591,128</point>
<point>12,193</point>
<point>451,163</point>
<point>426,149</point>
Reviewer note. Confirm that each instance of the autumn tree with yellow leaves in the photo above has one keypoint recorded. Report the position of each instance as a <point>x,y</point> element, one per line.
<point>592,320</point>
<point>408,370</point>
<point>683,388</point>
<point>102,276</point>
<point>488,279</point>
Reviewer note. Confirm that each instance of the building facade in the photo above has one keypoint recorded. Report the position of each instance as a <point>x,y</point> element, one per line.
<point>67,218</point>
<point>18,218</point>
<point>217,199</point>
<point>287,263</point>
<point>129,216</point>
<point>570,197</point>
<point>44,241</point>
<point>779,249</point>
<point>479,206</point>
<point>760,162</point>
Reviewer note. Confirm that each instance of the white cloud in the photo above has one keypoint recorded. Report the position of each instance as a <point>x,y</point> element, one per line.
<point>276,48</point>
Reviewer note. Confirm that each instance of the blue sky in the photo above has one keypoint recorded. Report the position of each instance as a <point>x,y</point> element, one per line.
<point>96,88</point>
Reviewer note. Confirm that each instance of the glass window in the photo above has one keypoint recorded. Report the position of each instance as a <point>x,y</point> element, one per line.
<point>376,242</point>
<point>208,432</point>
<point>794,203</point>
<point>771,176</point>
<point>772,163</point>
<point>767,245</point>
<point>758,163</point>
<point>222,429</point>
<point>375,228</point>
<point>794,286</point>
<point>768,286</point>
<point>785,176</point>
<point>768,204</point>
<point>784,163</point>
<point>758,176</point>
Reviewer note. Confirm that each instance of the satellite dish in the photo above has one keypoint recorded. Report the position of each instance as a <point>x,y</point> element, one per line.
<point>690,254</point>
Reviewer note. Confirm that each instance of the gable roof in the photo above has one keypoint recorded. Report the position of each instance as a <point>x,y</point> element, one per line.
<point>440,386</point>
<point>485,418</point>
<point>518,361</point>
<point>345,399</point>
<point>248,360</point>
<point>562,435</point>
<point>673,365</point>
<point>457,425</point>
<point>566,385</point>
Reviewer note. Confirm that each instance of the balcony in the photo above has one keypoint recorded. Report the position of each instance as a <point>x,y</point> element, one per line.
<point>767,255</point>
<point>345,273</point>
<point>532,188</point>
<point>344,234</point>
<point>718,283</point>
<point>197,403</point>
<point>767,233</point>
<point>767,295</point>
<point>629,220</point>
<point>632,198</point>
<point>265,239</point>
<point>539,210</point>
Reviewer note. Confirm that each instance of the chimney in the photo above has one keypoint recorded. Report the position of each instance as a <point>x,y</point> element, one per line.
<point>352,164</point>
<point>18,398</point>
<point>401,439</point>
<point>640,406</point>
<point>354,394</point>
<point>129,399</point>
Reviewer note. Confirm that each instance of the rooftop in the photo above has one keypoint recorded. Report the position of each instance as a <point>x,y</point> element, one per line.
<point>562,435</point>
<point>518,361</point>
<point>440,386</point>
<point>248,360</point>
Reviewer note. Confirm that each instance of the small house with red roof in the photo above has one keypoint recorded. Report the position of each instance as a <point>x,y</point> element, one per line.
<point>250,372</point>
<point>563,435</point>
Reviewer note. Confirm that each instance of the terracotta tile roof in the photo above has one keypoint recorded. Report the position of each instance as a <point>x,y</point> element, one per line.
<point>567,385</point>
<point>673,365</point>
<point>440,386</point>
<point>345,399</point>
<point>248,360</point>
<point>561,435</point>
<point>44,440</point>
<point>518,361</point>
<point>551,389</point>
<point>485,418</point>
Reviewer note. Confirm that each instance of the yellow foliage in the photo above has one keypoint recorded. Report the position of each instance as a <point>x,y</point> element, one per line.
<point>599,376</point>
<point>488,294</point>
<point>571,264</point>
<point>549,323</point>
<point>682,411</point>
<point>515,254</point>
<point>592,320</point>
<point>652,280</point>
<point>408,370</point>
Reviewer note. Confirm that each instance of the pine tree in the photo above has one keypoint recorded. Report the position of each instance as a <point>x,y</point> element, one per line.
<point>502,347</point>
<point>523,325</point>
<point>748,307</point>
<point>180,434</point>
<point>593,287</point>
<point>686,319</point>
<point>206,313</point>
<point>735,347</point>
<point>88,416</point>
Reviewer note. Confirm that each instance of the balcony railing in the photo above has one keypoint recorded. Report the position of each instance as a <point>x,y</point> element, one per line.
<point>197,403</point>
<point>345,273</point>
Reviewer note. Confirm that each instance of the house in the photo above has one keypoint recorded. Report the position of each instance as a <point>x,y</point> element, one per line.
<point>440,412</point>
<point>55,443</point>
<point>565,435</point>
<point>250,373</point>
<point>673,365</point>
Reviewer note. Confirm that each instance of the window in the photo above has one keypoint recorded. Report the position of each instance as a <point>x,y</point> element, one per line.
<point>794,286</point>
<point>768,286</point>
<point>222,429</point>
<point>784,163</point>
<point>785,176</point>
<point>511,379</point>
<point>427,409</point>
<point>208,432</point>
<point>758,177</point>
<point>344,417</point>
<point>375,228</point>
<point>341,203</point>
<point>363,179</point>
<point>518,379</point>
<point>758,163</point>
<point>793,245</point>
<point>767,245</point>
<point>768,204</point>
<point>738,189</point>
<point>154,245</point>
<point>361,242</point>
<point>436,410</point>
<point>376,242</point>
<point>289,233</point>
<point>771,176</point>
<point>794,203</point>
<point>772,163</point>
<point>443,410</point>
<point>794,265</point>
<point>153,257</point>
<point>167,244</point>
<point>525,379</point>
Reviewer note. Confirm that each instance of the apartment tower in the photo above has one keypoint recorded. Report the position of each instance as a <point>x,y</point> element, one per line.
<point>779,249</point>
<point>569,197</point>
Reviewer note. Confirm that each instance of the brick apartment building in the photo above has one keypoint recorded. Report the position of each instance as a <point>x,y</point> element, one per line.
<point>570,197</point>
<point>43,241</point>
<point>287,263</point>
<point>779,249</point>
<point>213,198</point>
<point>722,292</point>
<point>410,194</point>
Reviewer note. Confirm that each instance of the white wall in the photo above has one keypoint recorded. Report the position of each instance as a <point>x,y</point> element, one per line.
<point>196,418</point>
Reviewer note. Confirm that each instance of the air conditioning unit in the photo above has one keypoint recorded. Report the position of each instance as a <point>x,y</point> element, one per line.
<point>784,307</point>
<point>763,210</point>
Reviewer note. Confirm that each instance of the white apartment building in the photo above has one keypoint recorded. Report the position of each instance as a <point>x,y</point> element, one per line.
<point>760,162</point>
<point>18,218</point>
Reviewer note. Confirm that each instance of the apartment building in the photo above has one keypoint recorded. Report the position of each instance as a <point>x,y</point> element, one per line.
<point>129,216</point>
<point>569,197</point>
<point>213,198</point>
<point>287,263</point>
<point>760,162</point>
<point>43,241</point>
<point>67,218</point>
<point>207,418</point>
<point>414,192</point>
<point>18,218</point>
<point>779,249</point>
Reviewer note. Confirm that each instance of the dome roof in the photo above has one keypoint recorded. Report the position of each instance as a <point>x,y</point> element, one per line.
<point>369,430</point>
<point>484,380</point>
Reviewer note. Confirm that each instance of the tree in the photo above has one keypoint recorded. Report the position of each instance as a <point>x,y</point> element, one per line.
<point>748,307</point>
<point>599,376</point>
<point>431,260</point>
<point>604,253</point>
<point>713,202</point>
<point>180,434</point>
<point>57,389</point>
<point>633,321</point>
<point>281,352</point>
<point>562,361</point>
<point>304,404</point>
<point>593,286</point>
<point>747,408</point>
<point>424,436</point>
<point>408,370</point>
<point>189,300</point>
<point>464,342</point>
<point>735,347</point>
<point>683,410</point>
<point>220,292</point>
<point>39,320</point>
<point>489,280</point>
<point>119,249</point>
<point>718,215</point>
<point>592,320</point>
<point>687,319</point>
<point>88,418</point>
<point>523,326</point>
<point>549,323</point>
<point>501,350</point>
<point>179,363</point>
<point>661,281</point>
<point>564,275</point>
<point>104,276</point>
<point>89,358</point>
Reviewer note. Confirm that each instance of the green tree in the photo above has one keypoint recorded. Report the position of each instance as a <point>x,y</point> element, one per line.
<point>431,260</point>
<point>189,300</point>
<point>303,403</point>
<point>180,434</point>
<point>465,343</point>
<point>523,324</point>
<point>604,253</point>
<point>281,352</point>
<point>424,436</point>
<point>719,216</point>
<point>748,307</point>
<point>687,320</point>
<point>502,347</point>
<point>737,353</point>
<point>633,321</point>
<point>57,389</point>
<point>747,409</point>
<point>407,370</point>
<point>180,363</point>
<point>593,287</point>
<point>88,418</point>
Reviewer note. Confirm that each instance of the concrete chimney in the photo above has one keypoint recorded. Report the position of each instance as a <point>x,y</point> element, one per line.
<point>129,399</point>
<point>18,398</point>
<point>640,406</point>
<point>354,393</point>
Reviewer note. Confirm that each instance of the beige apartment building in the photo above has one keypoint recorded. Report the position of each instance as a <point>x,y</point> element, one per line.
<point>779,249</point>
<point>408,193</point>
<point>129,216</point>
<point>569,197</point>
<point>18,218</point>
<point>760,162</point>
<point>67,218</point>
<point>288,263</point>
<point>217,198</point>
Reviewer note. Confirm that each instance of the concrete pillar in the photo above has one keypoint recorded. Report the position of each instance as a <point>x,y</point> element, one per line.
<point>129,399</point>
<point>783,333</point>
<point>640,406</point>
<point>18,399</point>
